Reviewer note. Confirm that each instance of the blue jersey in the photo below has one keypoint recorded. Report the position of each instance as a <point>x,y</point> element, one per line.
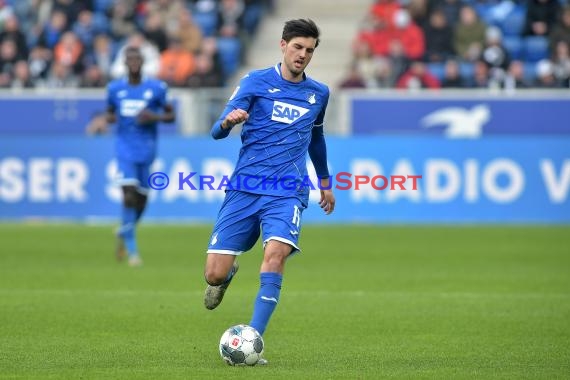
<point>135,142</point>
<point>276,137</point>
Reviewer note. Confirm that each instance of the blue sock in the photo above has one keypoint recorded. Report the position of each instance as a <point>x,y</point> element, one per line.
<point>266,300</point>
<point>127,230</point>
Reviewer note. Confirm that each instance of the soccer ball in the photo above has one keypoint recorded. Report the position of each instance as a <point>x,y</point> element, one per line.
<point>241,345</point>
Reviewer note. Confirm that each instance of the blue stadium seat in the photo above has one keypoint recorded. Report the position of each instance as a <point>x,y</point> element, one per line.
<point>207,21</point>
<point>437,69</point>
<point>529,71</point>
<point>514,46</point>
<point>514,22</point>
<point>230,54</point>
<point>535,48</point>
<point>466,69</point>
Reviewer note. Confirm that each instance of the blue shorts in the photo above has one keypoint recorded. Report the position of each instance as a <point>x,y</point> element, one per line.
<point>243,216</point>
<point>133,174</point>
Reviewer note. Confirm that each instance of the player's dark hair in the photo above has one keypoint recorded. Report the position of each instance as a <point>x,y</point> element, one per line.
<point>301,28</point>
<point>133,49</point>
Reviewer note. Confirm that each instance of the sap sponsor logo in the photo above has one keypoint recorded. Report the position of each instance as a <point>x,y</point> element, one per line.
<point>500,181</point>
<point>459,122</point>
<point>287,113</point>
<point>132,107</point>
<point>43,180</point>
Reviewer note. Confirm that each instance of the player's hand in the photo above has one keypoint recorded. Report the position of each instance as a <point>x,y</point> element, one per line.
<point>234,117</point>
<point>146,116</point>
<point>327,201</point>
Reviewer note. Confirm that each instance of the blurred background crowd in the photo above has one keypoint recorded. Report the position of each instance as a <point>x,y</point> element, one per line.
<point>202,43</point>
<point>80,43</point>
<point>462,44</point>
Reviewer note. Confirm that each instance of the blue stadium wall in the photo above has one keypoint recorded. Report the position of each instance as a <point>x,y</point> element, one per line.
<point>502,161</point>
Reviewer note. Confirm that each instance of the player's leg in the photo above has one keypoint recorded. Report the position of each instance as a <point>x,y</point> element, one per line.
<point>236,231</point>
<point>281,224</point>
<point>143,171</point>
<point>127,234</point>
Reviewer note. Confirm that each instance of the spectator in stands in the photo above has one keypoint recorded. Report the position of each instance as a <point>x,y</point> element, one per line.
<point>353,79</point>
<point>8,58</point>
<point>397,59</point>
<point>93,77</point>
<point>418,10</point>
<point>69,52</point>
<point>230,18</point>
<point>150,54</point>
<point>541,15</point>
<point>6,12</point>
<point>53,31</point>
<point>101,55</point>
<point>71,8</point>
<point>154,31</point>
<point>469,34</point>
<point>189,34</point>
<point>122,19</point>
<point>39,62</point>
<point>480,75</point>
<point>206,74</point>
<point>561,30</point>
<point>383,11</point>
<point>12,31</point>
<point>21,78</point>
<point>210,48</point>
<point>61,76</point>
<point>408,34</point>
<point>495,55</point>
<point>418,77</point>
<point>438,38</point>
<point>515,77</point>
<point>450,9</point>
<point>176,64</point>
<point>561,62</point>
<point>86,29</point>
<point>384,76</point>
<point>365,62</point>
<point>452,75</point>
<point>545,75</point>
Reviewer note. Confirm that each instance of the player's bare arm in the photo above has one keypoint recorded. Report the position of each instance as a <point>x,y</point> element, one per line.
<point>235,117</point>
<point>110,115</point>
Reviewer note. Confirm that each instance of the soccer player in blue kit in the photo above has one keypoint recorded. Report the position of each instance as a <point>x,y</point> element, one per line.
<point>136,104</point>
<point>283,111</point>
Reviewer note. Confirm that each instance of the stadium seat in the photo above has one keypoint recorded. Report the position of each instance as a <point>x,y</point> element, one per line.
<point>514,46</point>
<point>535,48</point>
<point>230,54</point>
<point>437,69</point>
<point>207,21</point>
<point>466,69</point>
<point>514,22</point>
<point>529,69</point>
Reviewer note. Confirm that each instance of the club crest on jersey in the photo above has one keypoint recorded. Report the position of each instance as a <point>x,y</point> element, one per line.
<point>311,98</point>
<point>287,113</point>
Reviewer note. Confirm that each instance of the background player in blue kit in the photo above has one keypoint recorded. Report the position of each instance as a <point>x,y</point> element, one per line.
<point>136,104</point>
<point>283,111</point>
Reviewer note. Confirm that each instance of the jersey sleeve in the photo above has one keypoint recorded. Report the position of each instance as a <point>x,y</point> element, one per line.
<point>320,121</point>
<point>241,98</point>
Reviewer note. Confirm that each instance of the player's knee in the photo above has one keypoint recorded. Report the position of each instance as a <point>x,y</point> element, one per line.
<point>130,197</point>
<point>214,277</point>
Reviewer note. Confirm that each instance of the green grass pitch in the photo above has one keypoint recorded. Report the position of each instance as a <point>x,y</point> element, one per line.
<point>360,302</point>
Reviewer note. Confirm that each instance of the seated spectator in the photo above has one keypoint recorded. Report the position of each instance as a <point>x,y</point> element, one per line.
<point>469,34</point>
<point>154,31</point>
<point>93,77</point>
<point>188,32</point>
<point>61,76</point>
<point>39,62</point>
<point>495,55</point>
<point>365,62</point>
<point>541,15</point>
<point>101,55</point>
<point>176,64</point>
<point>149,52</point>
<point>383,11</point>
<point>408,34</point>
<point>417,77</point>
<point>438,38</point>
<point>52,32</point>
<point>384,76</point>
<point>545,75</point>
<point>561,30</point>
<point>86,29</point>
<point>452,75</point>
<point>561,63</point>
<point>480,77</point>
<point>450,9</point>
<point>8,58</point>
<point>515,77</point>
<point>122,22</point>
<point>353,79</point>
<point>69,52</point>
<point>230,18</point>
<point>21,76</point>
<point>12,31</point>
<point>205,74</point>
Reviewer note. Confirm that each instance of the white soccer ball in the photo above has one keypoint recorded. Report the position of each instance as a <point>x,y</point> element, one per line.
<point>241,345</point>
